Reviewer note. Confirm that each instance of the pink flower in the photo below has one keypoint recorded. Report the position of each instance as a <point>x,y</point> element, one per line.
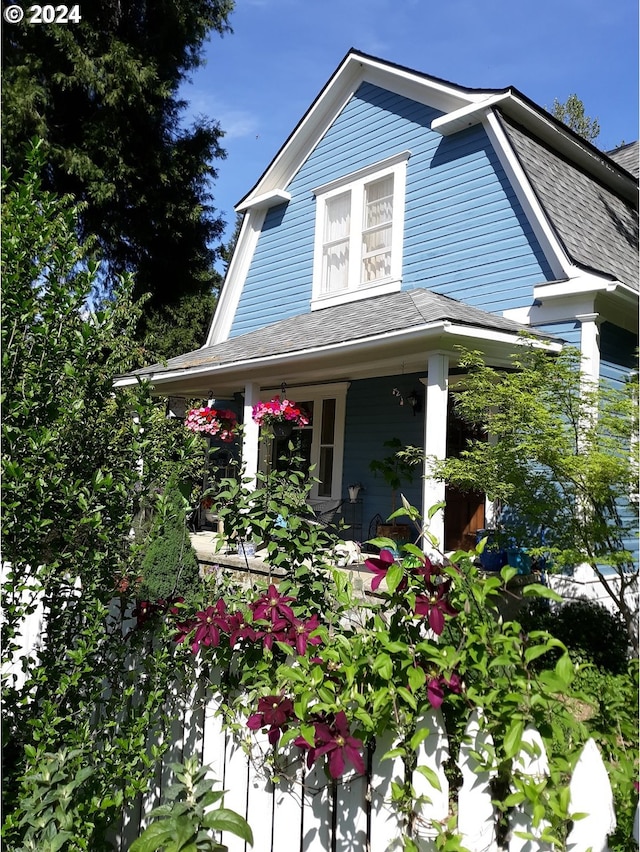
<point>219,423</point>
<point>379,565</point>
<point>276,411</point>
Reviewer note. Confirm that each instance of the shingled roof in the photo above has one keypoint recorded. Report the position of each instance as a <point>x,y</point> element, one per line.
<point>598,228</point>
<point>354,321</point>
<point>627,157</point>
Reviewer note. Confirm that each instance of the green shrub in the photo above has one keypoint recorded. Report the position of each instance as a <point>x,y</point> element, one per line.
<point>587,628</point>
<point>170,565</point>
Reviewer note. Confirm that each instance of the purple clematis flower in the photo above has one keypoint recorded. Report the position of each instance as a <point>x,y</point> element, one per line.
<point>436,685</point>
<point>435,605</point>
<point>272,631</point>
<point>336,741</point>
<point>300,634</point>
<point>379,565</point>
<point>209,624</point>
<point>274,711</point>
<point>273,606</point>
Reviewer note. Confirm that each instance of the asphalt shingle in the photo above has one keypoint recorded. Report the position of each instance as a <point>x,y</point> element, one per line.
<point>599,229</point>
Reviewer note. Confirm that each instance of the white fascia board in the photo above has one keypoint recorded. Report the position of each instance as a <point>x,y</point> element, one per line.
<point>236,275</point>
<point>265,201</point>
<point>435,331</point>
<point>352,72</point>
<point>542,228</point>
<point>581,283</point>
<point>466,116</point>
<point>506,337</point>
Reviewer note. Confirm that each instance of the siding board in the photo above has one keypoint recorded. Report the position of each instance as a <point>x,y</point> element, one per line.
<point>462,220</point>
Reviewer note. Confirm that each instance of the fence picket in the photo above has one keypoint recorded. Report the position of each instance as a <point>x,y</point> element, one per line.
<point>386,825</point>
<point>476,816</point>
<point>318,810</point>
<point>260,802</point>
<point>288,803</point>
<point>432,753</point>
<point>531,762</point>
<point>590,793</point>
<point>236,783</point>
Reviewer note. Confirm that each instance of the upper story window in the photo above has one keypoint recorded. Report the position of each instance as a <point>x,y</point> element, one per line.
<point>359,230</point>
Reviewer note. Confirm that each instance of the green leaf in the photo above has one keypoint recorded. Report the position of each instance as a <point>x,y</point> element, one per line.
<point>538,590</point>
<point>394,576</point>
<point>308,734</point>
<point>513,738</point>
<point>153,837</point>
<point>227,820</point>
<point>430,775</point>
<point>383,666</point>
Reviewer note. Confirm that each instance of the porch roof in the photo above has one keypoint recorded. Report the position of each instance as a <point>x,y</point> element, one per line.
<point>404,324</point>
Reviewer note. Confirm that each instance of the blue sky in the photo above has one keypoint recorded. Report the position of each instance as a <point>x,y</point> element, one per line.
<point>260,79</point>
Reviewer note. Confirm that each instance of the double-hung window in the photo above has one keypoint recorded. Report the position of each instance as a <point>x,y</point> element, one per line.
<point>359,230</point>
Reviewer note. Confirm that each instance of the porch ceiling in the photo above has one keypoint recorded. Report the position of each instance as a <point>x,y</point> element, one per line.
<point>385,335</point>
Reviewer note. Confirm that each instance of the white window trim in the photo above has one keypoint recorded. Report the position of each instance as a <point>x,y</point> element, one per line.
<point>355,182</point>
<point>316,394</point>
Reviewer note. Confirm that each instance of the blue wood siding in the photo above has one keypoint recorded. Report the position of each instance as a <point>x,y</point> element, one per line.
<point>374,416</point>
<point>618,357</point>
<point>568,331</point>
<point>465,233</point>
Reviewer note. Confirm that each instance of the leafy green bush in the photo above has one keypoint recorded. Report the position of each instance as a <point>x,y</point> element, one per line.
<point>170,565</point>
<point>187,821</point>
<point>587,628</point>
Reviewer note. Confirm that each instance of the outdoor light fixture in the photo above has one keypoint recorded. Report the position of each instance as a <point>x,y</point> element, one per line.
<point>353,492</point>
<point>414,401</point>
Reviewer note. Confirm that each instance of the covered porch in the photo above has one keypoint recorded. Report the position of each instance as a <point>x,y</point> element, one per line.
<point>376,370</point>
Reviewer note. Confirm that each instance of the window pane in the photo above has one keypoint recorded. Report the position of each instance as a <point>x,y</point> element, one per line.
<point>335,255</point>
<point>378,206</point>
<point>328,421</point>
<point>325,472</point>
<point>376,235</point>
<point>337,217</point>
<point>335,273</point>
<point>375,267</point>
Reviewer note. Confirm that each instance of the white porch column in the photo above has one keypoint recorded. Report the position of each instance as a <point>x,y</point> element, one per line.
<point>590,345</point>
<point>251,431</point>
<point>435,439</point>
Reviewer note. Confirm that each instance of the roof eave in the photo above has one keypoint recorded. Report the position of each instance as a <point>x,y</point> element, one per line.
<point>549,130</point>
<point>441,334</point>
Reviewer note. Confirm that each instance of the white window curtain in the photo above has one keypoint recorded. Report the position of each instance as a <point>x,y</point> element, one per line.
<point>337,225</point>
<point>376,231</point>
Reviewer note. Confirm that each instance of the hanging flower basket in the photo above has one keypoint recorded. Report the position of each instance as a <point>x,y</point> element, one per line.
<point>279,417</point>
<point>215,422</point>
<point>282,429</point>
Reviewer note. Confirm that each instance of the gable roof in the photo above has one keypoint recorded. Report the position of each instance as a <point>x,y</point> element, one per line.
<point>598,228</point>
<point>393,317</point>
<point>461,106</point>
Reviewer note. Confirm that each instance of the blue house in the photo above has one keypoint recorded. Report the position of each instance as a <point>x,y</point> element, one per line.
<point>405,216</point>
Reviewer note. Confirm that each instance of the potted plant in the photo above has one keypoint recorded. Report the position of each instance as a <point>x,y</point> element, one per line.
<point>220,423</point>
<point>395,471</point>
<point>278,417</point>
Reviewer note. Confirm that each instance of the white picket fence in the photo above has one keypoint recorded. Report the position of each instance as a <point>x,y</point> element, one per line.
<point>302,810</point>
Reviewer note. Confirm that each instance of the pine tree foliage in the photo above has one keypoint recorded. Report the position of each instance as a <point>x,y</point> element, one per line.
<point>102,94</point>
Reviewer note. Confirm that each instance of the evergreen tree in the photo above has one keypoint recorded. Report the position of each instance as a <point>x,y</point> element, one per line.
<point>102,94</point>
